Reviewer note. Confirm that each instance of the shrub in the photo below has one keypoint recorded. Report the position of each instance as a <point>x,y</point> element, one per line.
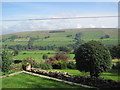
<point>59,64</point>
<point>44,56</point>
<point>15,53</point>
<point>71,65</point>
<point>28,60</point>
<point>116,66</point>
<point>17,61</point>
<point>64,49</point>
<point>42,65</point>
<point>93,57</point>
<point>16,66</point>
<point>60,56</point>
<point>6,60</point>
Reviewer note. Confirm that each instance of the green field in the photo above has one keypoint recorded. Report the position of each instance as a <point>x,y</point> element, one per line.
<point>111,74</point>
<point>35,52</point>
<point>36,56</point>
<point>60,39</point>
<point>29,81</point>
<point>33,56</point>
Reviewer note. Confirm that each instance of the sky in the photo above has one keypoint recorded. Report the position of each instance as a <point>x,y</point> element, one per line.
<point>38,10</point>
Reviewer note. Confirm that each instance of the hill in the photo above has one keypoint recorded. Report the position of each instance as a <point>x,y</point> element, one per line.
<point>61,37</point>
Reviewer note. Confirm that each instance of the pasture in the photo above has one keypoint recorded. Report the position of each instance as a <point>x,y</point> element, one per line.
<point>61,39</point>
<point>37,55</point>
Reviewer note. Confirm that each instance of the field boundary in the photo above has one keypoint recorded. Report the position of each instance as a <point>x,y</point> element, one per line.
<point>11,74</point>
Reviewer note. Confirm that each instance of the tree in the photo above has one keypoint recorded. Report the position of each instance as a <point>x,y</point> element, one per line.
<point>64,49</point>
<point>44,56</point>
<point>93,57</point>
<point>6,60</point>
<point>15,52</point>
<point>114,51</point>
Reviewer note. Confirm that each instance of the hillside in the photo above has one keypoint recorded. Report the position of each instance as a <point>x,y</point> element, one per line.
<point>61,37</point>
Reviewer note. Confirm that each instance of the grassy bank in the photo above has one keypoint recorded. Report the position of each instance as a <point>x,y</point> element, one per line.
<point>29,81</point>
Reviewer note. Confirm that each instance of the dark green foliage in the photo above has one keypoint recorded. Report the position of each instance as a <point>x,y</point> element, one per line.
<point>78,36</point>
<point>116,66</point>
<point>71,65</point>
<point>41,65</point>
<point>64,49</point>
<point>28,60</point>
<point>115,51</point>
<point>104,37</point>
<point>60,65</point>
<point>13,37</point>
<point>6,60</point>
<point>93,57</point>
<point>69,35</point>
<point>45,56</point>
<point>56,31</point>
<point>35,64</point>
<point>15,52</point>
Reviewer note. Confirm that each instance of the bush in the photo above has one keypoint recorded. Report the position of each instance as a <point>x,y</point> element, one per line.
<point>60,56</point>
<point>6,60</point>
<point>15,53</point>
<point>44,56</point>
<point>16,67</point>
<point>28,60</point>
<point>17,61</point>
<point>64,49</point>
<point>60,65</point>
<point>42,65</point>
<point>71,65</point>
<point>116,66</point>
<point>93,57</point>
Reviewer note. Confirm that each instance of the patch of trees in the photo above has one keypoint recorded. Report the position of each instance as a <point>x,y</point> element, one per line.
<point>104,37</point>
<point>115,51</point>
<point>15,52</point>
<point>93,57</point>
<point>78,36</point>
<point>56,31</point>
<point>13,37</point>
<point>47,37</point>
<point>6,59</point>
<point>25,47</point>
<point>64,49</point>
<point>69,35</point>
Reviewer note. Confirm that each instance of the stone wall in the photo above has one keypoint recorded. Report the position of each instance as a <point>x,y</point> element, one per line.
<point>86,80</point>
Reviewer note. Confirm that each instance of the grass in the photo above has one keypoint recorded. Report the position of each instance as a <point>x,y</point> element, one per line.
<point>37,54</point>
<point>112,74</point>
<point>60,39</point>
<point>33,56</point>
<point>29,81</point>
<point>41,51</point>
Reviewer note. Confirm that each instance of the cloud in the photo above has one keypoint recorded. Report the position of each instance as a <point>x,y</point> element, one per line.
<point>92,26</point>
<point>10,27</point>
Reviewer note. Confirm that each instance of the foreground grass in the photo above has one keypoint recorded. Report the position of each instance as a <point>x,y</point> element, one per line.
<point>112,74</point>
<point>29,81</point>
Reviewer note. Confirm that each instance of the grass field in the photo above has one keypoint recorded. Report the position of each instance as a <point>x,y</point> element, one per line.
<point>111,74</point>
<point>33,56</point>
<point>35,52</point>
<point>60,39</point>
<point>29,81</point>
<point>38,54</point>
